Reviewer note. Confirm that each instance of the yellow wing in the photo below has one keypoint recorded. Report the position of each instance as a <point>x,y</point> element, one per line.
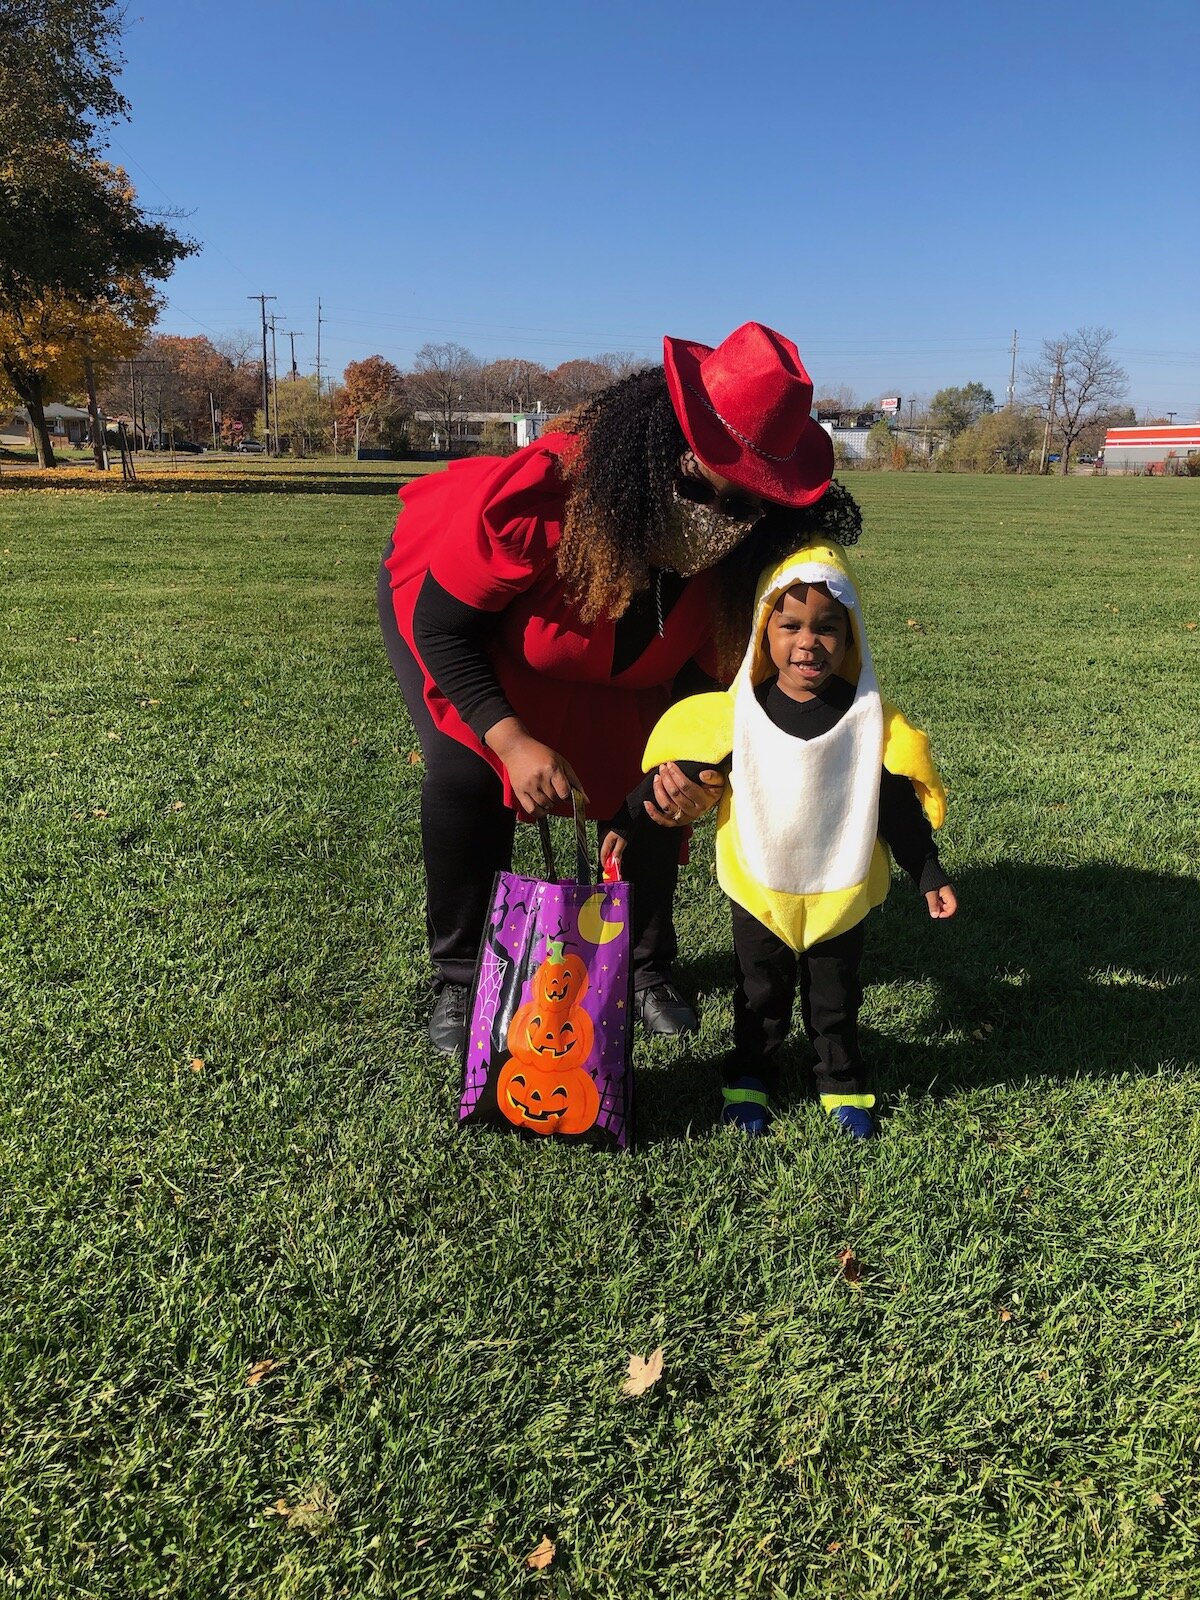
<point>699,728</point>
<point>906,753</point>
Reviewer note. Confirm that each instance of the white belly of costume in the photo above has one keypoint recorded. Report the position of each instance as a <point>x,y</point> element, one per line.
<point>807,810</point>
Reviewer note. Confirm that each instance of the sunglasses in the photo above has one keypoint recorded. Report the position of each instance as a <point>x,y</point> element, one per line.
<point>737,507</point>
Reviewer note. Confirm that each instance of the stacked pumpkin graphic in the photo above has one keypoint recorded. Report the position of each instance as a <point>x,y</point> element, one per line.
<point>545,1085</point>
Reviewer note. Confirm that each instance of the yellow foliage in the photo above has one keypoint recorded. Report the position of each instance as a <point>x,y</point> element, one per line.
<point>51,334</point>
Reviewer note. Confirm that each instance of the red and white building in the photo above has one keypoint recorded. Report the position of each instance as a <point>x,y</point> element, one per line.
<point>1149,449</point>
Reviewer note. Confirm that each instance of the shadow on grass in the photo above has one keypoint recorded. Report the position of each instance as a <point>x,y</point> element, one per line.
<point>1047,973</point>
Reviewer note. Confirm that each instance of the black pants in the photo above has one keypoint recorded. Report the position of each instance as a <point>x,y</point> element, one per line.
<point>467,837</point>
<point>767,974</point>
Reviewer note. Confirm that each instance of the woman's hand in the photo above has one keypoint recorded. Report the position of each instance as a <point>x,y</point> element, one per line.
<point>678,801</point>
<point>540,777</point>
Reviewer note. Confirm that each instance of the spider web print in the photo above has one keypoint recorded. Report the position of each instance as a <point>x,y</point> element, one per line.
<point>488,991</point>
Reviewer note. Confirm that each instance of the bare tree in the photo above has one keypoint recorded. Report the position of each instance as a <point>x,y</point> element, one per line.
<point>512,384</point>
<point>1076,383</point>
<point>442,382</point>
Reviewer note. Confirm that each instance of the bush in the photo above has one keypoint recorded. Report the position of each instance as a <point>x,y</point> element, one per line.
<point>1192,465</point>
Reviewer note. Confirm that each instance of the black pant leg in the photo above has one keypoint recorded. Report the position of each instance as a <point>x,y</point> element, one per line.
<point>764,992</point>
<point>830,997</point>
<point>466,828</point>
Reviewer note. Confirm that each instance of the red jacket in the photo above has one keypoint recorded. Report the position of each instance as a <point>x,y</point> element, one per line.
<point>487,529</point>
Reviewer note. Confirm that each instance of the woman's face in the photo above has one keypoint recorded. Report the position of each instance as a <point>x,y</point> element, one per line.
<point>710,516</point>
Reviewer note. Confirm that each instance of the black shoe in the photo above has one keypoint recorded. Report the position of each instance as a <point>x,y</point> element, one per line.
<point>664,1011</point>
<point>448,1020</point>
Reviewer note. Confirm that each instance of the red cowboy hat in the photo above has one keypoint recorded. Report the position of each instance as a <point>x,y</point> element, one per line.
<point>744,409</point>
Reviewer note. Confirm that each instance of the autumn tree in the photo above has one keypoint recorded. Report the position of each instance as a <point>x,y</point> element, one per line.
<point>573,381</point>
<point>1088,384</point>
<point>958,407</point>
<point>45,343</point>
<point>76,250</point>
<point>373,396</point>
<point>442,382</point>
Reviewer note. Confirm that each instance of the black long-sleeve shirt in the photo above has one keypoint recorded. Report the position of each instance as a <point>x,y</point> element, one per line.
<point>903,826</point>
<point>452,641</point>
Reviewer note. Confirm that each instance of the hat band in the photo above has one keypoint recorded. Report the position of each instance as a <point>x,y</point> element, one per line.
<point>736,432</point>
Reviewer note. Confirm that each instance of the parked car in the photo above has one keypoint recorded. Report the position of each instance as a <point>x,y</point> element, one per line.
<point>250,447</point>
<point>1085,460</point>
<point>187,448</point>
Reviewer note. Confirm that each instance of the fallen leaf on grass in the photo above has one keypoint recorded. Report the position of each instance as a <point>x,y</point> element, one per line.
<point>914,624</point>
<point>542,1556</point>
<point>850,1264</point>
<point>1005,1314</point>
<point>99,812</point>
<point>279,1509</point>
<point>1190,626</point>
<point>834,1546</point>
<point>197,1063</point>
<point>257,1373</point>
<point>177,806</point>
<point>643,1375</point>
<point>414,758</point>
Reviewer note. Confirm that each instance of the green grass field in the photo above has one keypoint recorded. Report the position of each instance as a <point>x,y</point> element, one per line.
<point>270,1326</point>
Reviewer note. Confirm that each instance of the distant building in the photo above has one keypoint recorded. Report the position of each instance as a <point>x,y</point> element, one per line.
<point>64,422</point>
<point>1149,449</point>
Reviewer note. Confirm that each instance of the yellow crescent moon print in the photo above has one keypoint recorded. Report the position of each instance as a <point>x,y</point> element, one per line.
<point>592,925</point>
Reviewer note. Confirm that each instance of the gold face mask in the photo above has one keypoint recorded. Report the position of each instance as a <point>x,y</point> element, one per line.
<point>697,537</point>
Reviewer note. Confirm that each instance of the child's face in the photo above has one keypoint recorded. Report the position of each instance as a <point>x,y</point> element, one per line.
<point>807,634</point>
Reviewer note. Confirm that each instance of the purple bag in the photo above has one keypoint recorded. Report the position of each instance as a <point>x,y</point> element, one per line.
<point>549,1040</point>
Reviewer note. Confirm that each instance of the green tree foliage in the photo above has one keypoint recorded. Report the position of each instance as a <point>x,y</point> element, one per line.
<point>999,441</point>
<point>879,445</point>
<point>71,230</point>
<point>955,408</point>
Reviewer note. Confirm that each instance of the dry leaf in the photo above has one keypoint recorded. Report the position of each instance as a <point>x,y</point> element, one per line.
<point>834,1546</point>
<point>1190,626</point>
<point>915,625</point>
<point>197,1063</point>
<point>279,1509</point>
<point>111,735</point>
<point>414,758</point>
<point>257,1373</point>
<point>643,1375</point>
<point>1005,1315</point>
<point>850,1264</point>
<point>177,806</point>
<point>542,1556</point>
<point>99,812</point>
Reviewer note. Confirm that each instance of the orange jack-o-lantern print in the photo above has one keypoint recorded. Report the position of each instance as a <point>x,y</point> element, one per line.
<point>545,1086</point>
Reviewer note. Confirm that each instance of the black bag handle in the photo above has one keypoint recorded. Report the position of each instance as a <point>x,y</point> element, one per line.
<point>583,865</point>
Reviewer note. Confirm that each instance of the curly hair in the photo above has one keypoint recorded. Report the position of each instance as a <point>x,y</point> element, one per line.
<point>621,480</point>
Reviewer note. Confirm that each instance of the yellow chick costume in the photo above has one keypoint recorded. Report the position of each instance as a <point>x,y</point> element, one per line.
<point>797,828</point>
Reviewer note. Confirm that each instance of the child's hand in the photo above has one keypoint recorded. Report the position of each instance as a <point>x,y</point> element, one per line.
<point>942,902</point>
<point>612,848</point>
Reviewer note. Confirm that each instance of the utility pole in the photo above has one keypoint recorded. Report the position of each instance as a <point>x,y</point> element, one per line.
<point>1012,376</point>
<point>212,411</point>
<point>1043,464</point>
<point>298,334</point>
<point>1171,415</point>
<point>133,404</point>
<point>275,381</point>
<point>318,347</point>
<point>262,300</point>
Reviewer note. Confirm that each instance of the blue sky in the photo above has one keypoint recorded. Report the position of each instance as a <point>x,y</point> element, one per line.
<point>896,187</point>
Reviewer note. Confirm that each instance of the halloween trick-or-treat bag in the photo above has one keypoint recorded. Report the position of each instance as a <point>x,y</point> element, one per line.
<point>549,1038</point>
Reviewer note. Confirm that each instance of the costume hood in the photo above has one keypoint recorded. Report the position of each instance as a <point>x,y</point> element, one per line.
<point>797,828</point>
